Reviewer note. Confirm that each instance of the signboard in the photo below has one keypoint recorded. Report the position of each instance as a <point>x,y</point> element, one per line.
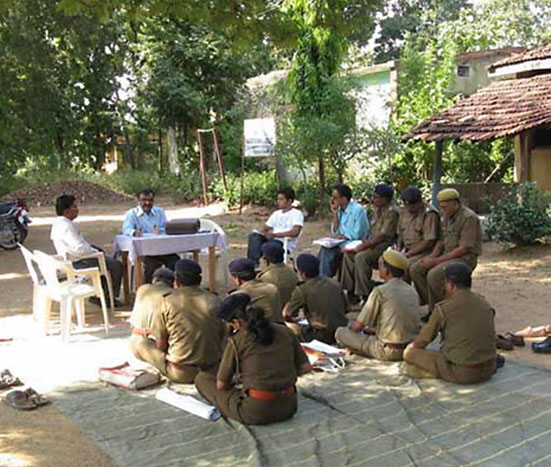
<point>260,137</point>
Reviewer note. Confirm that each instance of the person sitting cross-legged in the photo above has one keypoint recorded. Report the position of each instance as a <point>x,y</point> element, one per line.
<point>390,319</point>
<point>285,222</point>
<point>188,337</point>
<point>276,272</point>
<point>265,356</point>
<point>263,294</point>
<point>465,321</point>
<point>320,298</point>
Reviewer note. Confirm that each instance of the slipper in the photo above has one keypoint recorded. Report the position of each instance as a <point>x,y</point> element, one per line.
<point>503,344</point>
<point>37,398</point>
<point>7,380</point>
<point>516,340</point>
<point>19,400</point>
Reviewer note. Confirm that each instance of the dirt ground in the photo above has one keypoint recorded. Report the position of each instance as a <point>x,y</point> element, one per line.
<point>516,282</point>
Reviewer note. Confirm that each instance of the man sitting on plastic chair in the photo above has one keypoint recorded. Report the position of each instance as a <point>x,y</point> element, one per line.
<point>69,244</point>
<point>284,223</point>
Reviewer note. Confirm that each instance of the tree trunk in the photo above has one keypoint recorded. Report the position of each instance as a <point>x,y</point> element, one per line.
<point>437,171</point>
<point>173,163</point>
<point>321,166</point>
<point>160,150</point>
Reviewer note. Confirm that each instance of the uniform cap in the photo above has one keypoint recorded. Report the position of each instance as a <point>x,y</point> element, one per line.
<point>448,194</point>
<point>226,310</point>
<point>396,259</point>
<point>241,266</point>
<point>273,251</point>
<point>308,264</point>
<point>384,190</point>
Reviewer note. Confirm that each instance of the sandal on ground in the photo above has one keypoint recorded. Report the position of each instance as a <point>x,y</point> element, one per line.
<point>20,400</point>
<point>37,398</point>
<point>503,343</point>
<point>516,340</point>
<point>7,380</point>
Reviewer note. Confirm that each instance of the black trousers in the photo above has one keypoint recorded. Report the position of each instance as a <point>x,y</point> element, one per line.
<point>152,263</point>
<point>330,260</point>
<point>115,270</point>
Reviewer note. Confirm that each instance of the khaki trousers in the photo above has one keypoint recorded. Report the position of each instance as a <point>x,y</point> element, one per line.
<point>430,282</point>
<point>422,363</point>
<point>412,261</point>
<point>357,270</point>
<point>147,351</point>
<point>368,346</point>
<point>234,404</point>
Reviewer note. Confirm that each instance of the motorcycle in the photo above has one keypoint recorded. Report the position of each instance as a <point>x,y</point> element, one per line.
<point>14,223</point>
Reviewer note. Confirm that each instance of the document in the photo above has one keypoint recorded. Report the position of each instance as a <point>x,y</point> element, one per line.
<point>353,244</point>
<point>188,404</point>
<point>328,242</point>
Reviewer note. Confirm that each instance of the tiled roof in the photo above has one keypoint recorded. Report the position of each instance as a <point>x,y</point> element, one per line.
<point>534,54</point>
<point>504,108</point>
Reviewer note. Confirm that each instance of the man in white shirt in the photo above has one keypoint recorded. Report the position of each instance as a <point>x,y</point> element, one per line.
<point>69,242</point>
<point>285,222</point>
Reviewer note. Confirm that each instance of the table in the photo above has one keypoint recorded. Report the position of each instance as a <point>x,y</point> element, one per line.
<point>134,249</point>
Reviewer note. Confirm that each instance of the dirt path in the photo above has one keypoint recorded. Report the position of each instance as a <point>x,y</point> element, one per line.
<point>517,283</point>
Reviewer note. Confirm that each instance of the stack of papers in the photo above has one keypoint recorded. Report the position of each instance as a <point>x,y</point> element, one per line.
<point>353,244</point>
<point>324,357</point>
<point>328,242</point>
<point>188,404</point>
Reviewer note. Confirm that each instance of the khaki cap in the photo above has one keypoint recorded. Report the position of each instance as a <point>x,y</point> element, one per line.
<point>448,194</point>
<point>396,259</point>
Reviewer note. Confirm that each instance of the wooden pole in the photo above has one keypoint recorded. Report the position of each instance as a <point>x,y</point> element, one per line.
<point>219,159</point>
<point>437,171</point>
<point>242,176</point>
<point>202,168</point>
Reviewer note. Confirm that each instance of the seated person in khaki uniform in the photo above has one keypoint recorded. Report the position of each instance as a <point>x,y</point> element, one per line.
<point>263,295</point>
<point>277,273</point>
<point>462,241</point>
<point>149,302</point>
<point>391,315</point>
<point>465,321</point>
<point>320,298</point>
<point>189,337</point>
<point>358,263</point>
<point>267,358</point>
<point>418,227</point>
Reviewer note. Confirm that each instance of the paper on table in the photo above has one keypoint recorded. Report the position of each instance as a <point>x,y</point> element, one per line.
<point>353,244</point>
<point>188,404</point>
<point>328,242</point>
<point>323,347</point>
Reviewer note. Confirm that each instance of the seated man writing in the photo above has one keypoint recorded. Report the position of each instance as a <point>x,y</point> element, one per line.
<point>70,244</point>
<point>390,319</point>
<point>277,273</point>
<point>285,222</point>
<point>320,298</point>
<point>148,304</point>
<point>148,219</point>
<point>188,336</point>
<point>465,321</point>
<point>263,294</point>
<point>349,224</point>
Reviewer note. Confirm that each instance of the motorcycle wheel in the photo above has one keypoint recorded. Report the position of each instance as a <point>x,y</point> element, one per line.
<point>18,236</point>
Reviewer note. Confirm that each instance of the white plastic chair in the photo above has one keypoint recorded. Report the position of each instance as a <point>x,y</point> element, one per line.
<point>290,253</point>
<point>70,294</point>
<point>100,256</point>
<point>208,225</point>
<point>42,303</point>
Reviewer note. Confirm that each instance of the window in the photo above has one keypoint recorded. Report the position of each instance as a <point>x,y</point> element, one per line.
<point>463,71</point>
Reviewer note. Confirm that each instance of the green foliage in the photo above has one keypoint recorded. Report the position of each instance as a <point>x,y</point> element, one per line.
<point>258,188</point>
<point>522,216</point>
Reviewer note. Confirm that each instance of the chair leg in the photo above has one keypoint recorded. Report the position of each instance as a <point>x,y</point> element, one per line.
<point>110,289</point>
<point>105,313</point>
<point>79,310</point>
<point>66,312</point>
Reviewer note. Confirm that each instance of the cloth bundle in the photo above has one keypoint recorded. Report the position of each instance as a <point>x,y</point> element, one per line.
<point>128,378</point>
<point>188,404</point>
<point>182,226</point>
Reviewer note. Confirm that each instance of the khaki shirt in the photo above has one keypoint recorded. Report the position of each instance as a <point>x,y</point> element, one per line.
<point>264,367</point>
<point>463,229</point>
<point>393,308</point>
<point>322,301</point>
<point>283,277</point>
<point>384,221</point>
<point>149,302</point>
<point>466,322</point>
<point>265,296</point>
<point>414,229</point>
<point>188,323</point>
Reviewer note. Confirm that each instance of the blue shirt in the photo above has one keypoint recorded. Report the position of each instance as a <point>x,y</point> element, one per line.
<point>353,223</point>
<point>136,218</point>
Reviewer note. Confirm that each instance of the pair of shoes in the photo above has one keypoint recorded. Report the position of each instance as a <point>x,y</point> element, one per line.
<point>25,400</point>
<point>500,361</point>
<point>542,347</point>
<point>504,344</point>
<point>7,380</point>
<point>513,339</point>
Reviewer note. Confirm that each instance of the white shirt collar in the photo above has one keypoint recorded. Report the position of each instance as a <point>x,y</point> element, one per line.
<point>141,212</point>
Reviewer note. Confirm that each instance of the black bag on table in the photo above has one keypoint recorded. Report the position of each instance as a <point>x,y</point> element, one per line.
<point>182,226</point>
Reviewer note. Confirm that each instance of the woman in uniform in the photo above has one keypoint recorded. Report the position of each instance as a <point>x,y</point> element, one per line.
<point>265,357</point>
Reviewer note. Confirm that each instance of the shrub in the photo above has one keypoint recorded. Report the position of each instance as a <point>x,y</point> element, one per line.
<point>521,217</point>
<point>258,188</point>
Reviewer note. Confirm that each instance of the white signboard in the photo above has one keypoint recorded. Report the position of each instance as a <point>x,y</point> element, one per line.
<point>260,137</point>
